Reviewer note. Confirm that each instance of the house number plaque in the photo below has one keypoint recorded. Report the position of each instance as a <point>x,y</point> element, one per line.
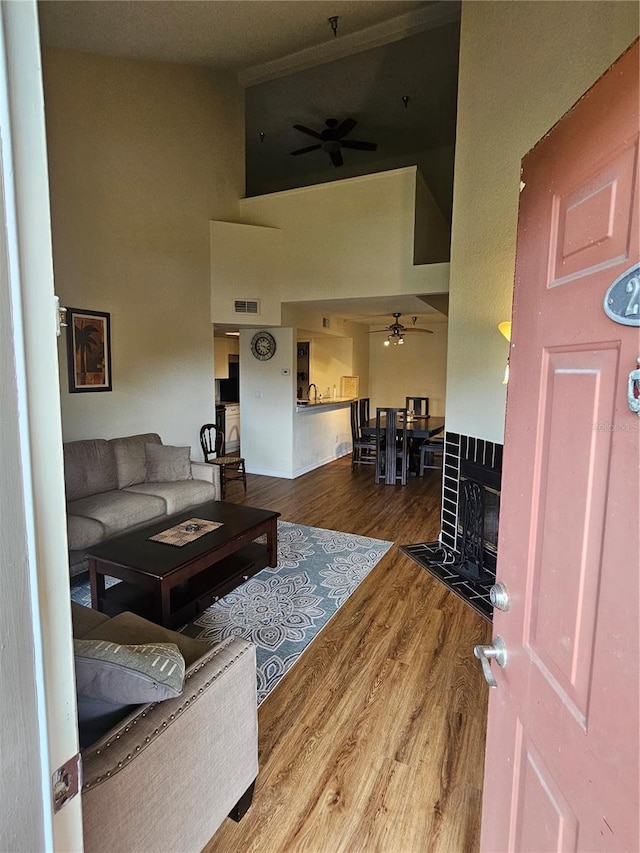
<point>622,299</point>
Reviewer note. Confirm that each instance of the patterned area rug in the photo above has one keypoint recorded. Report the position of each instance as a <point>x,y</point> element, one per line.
<point>282,609</point>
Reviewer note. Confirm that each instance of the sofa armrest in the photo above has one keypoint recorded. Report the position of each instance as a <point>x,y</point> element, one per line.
<point>210,473</point>
<point>168,775</point>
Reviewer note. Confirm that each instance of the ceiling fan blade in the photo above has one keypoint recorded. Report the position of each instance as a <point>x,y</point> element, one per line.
<point>336,158</point>
<point>307,130</point>
<point>304,150</point>
<point>342,129</point>
<point>359,146</point>
<point>409,329</point>
<point>373,331</point>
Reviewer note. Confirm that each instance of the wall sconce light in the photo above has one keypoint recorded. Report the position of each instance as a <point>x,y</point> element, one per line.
<point>505,330</point>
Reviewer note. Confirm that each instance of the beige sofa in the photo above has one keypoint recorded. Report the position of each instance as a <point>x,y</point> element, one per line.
<point>113,486</point>
<point>165,776</point>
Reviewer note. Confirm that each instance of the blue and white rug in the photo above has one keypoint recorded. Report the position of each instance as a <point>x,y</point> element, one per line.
<point>282,609</point>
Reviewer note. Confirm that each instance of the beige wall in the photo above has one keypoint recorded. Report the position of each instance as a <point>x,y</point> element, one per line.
<point>418,368</point>
<point>355,237</point>
<point>522,66</point>
<point>142,155</point>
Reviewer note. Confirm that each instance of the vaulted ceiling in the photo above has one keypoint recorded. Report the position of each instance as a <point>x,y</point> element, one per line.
<point>296,71</point>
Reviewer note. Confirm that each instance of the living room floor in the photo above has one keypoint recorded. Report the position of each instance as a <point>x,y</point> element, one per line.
<point>375,740</point>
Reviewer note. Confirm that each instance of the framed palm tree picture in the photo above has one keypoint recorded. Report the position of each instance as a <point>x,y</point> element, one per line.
<point>88,350</point>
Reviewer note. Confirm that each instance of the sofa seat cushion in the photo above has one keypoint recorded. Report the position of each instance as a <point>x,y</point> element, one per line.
<point>85,619</point>
<point>83,532</point>
<point>89,468</point>
<point>131,457</point>
<point>119,510</point>
<point>130,628</point>
<point>179,495</point>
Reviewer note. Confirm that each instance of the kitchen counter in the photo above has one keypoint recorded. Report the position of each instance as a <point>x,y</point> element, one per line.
<point>324,403</point>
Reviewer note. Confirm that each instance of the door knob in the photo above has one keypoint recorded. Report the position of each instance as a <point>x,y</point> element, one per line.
<point>497,652</point>
<point>633,389</point>
<point>499,597</point>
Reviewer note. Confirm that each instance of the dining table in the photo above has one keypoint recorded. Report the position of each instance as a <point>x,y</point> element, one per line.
<point>419,427</point>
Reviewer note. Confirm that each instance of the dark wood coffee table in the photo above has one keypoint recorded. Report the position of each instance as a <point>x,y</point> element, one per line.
<point>170,584</point>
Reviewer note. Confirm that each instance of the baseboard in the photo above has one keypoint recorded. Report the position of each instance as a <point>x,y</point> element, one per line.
<point>293,475</point>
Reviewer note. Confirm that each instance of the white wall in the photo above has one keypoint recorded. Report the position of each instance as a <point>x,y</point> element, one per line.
<point>142,156</point>
<point>267,402</point>
<point>522,66</point>
<point>320,435</point>
<point>418,368</point>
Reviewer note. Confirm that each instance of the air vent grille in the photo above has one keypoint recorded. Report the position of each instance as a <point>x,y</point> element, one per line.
<point>247,306</point>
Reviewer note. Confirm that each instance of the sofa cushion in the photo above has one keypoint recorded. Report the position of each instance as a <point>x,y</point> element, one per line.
<point>89,468</point>
<point>96,717</point>
<point>112,679</point>
<point>179,495</point>
<point>85,619</point>
<point>128,627</point>
<point>167,464</point>
<point>118,510</point>
<point>83,532</point>
<point>134,674</point>
<point>131,459</point>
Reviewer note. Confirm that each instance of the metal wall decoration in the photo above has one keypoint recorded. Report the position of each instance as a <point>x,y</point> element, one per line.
<point>88,350</point>
<point>622,299</point>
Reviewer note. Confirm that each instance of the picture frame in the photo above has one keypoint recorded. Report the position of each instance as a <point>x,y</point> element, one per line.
<point>88,350</point>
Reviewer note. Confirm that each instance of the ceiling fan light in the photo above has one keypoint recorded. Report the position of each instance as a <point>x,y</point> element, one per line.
<point>387,342</point>
<point>400,340</point>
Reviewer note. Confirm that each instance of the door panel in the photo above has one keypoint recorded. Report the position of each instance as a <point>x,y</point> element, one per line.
<point>544,819</point>
<point>577,386</point>
<point>591,222</point>
<point>562,745</point>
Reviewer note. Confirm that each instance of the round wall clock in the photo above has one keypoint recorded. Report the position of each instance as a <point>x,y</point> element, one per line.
<point>263,345</point>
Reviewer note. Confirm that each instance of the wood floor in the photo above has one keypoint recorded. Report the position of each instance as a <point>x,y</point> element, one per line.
<point>375,740</point>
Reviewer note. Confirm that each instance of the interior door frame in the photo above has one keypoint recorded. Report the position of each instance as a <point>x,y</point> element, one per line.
<point>40,588</point>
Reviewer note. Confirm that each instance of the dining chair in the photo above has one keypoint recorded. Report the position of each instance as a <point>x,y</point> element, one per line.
<point>364,404</point>
<point>431,454</point>
<point>364,448</point>
<point>392,446</point>
<point>417,405</point>
<point>231,467</point>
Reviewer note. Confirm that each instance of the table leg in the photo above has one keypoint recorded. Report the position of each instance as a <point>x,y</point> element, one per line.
<point>96,582</point>
<point>272,544</point>
<point>163,605</point>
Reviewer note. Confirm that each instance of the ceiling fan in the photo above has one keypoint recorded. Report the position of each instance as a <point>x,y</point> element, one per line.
<point>396,331</point>
<point>332,139</point>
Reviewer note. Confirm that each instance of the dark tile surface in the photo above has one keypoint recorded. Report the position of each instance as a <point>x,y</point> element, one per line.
<point>473,593</point>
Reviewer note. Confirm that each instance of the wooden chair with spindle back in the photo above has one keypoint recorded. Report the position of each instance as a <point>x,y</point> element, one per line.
<point>231,467</point>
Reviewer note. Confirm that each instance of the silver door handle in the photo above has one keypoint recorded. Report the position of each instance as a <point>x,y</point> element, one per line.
<point>497,652</point>
<point>633,386</point>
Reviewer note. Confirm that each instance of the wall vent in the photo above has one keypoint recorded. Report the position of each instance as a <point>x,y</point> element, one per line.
<point>246,306</point>
<point>326,323</point>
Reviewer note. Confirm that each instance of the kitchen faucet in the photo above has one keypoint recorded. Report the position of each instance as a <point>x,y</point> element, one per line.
<point>315,392</point>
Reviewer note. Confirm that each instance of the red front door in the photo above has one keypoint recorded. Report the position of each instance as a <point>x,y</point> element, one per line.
<point>562,753</point>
